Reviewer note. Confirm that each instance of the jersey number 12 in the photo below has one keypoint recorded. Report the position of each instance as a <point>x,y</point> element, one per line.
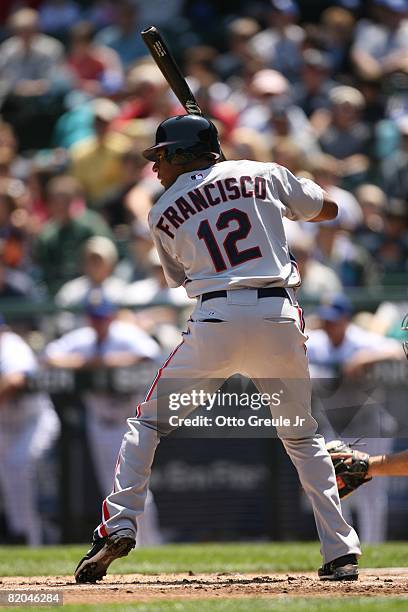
<point>235,256</point>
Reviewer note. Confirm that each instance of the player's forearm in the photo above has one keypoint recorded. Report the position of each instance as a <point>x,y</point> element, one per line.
<point>328,212</point>
<point>389,465</point>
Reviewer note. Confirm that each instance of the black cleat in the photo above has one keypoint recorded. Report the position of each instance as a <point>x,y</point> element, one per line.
<point>343,568</point>
<point>93,566</point>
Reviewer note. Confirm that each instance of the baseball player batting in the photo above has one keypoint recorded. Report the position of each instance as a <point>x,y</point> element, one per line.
<point>218,231</point>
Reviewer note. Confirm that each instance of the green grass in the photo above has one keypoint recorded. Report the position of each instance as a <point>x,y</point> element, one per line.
<point>265,557</point>
<point>287,604</point>
<point>202,558</point>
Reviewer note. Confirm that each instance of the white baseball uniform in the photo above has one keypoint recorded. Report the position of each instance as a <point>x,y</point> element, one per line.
<point>220,229</point>
<point>371,501</point>
<point>107,412</point>
<point>29,426</point>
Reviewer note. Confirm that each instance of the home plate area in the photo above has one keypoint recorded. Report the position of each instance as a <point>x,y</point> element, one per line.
<point>129,588</point>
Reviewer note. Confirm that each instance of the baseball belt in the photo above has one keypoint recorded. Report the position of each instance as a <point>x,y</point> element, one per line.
<point>264,292</point>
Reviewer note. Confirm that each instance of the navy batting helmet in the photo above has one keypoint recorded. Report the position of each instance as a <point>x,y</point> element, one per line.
<point>185,138</point>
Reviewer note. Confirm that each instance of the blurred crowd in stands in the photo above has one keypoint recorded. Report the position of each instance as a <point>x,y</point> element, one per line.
<point>323,92</point>
<point>80,98</point>
<point>320,87</point>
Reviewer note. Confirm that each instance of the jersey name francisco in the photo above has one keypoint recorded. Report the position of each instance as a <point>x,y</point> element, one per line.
<point>211,194</point>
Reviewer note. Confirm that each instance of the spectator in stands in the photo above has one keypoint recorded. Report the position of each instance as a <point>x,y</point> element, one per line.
<point>264,86</point>
<point>346,137</point>
<point>136,265</point>
<point>40,172</point>
<point>326,171</point>
<point>391,250</point>
<point>58,16</point>
<point>32,77</point>
<point>246,143</point>
<point>146,95</point>
<point>29,61</point>
<point>12,239</point>
<point>13,224</point>
<point>374,110</point>
<point>96,161</point>
<point>270,111</point>
<point>219,110</point>
<point>124,35</point>
<point>29,427</point>
<point>380,46</point>
<point>154,287</point>
<point>287,121</point>
<point>160,320</point>
<point>101,13</point>
<point>199,63</point>
<point>280,43</point>
<point>287,153</point>
<point>353,264</point>
<point>15,283</point>
<point>58,246</point>
<point>161,12</point>
<point>97,69</point>
<point>373,203</point>
<point>342,348</point>
<point>394,169</point>
<point>231,64</point>
<point>107,343</point>
<point>99,260</point>
<point>311,93</point>
<point>334,246</point>
<point>318,279</point>
<point>77,123</point>
<point>337,28</point>
<point>8,150</point>
<point>134,197</point>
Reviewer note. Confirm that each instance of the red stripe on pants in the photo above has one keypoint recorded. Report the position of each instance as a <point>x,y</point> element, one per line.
<point>301,319</point>
<point>158,375</point>
<point>102,529</point>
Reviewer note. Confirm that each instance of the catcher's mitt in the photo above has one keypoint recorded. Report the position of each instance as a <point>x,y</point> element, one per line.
<point>351,467</point>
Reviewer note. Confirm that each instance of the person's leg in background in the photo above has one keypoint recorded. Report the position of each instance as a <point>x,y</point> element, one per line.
<point>370,502</point>
<point>19,456</point>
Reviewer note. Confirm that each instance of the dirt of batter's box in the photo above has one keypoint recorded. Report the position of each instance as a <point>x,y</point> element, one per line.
<point>117,588</point>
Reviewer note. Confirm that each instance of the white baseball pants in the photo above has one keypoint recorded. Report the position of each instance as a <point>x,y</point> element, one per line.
<point>260,338</point>
<point>104,441</point>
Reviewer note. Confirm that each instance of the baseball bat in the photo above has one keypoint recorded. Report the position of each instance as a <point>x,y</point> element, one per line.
<point>170,70</point>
